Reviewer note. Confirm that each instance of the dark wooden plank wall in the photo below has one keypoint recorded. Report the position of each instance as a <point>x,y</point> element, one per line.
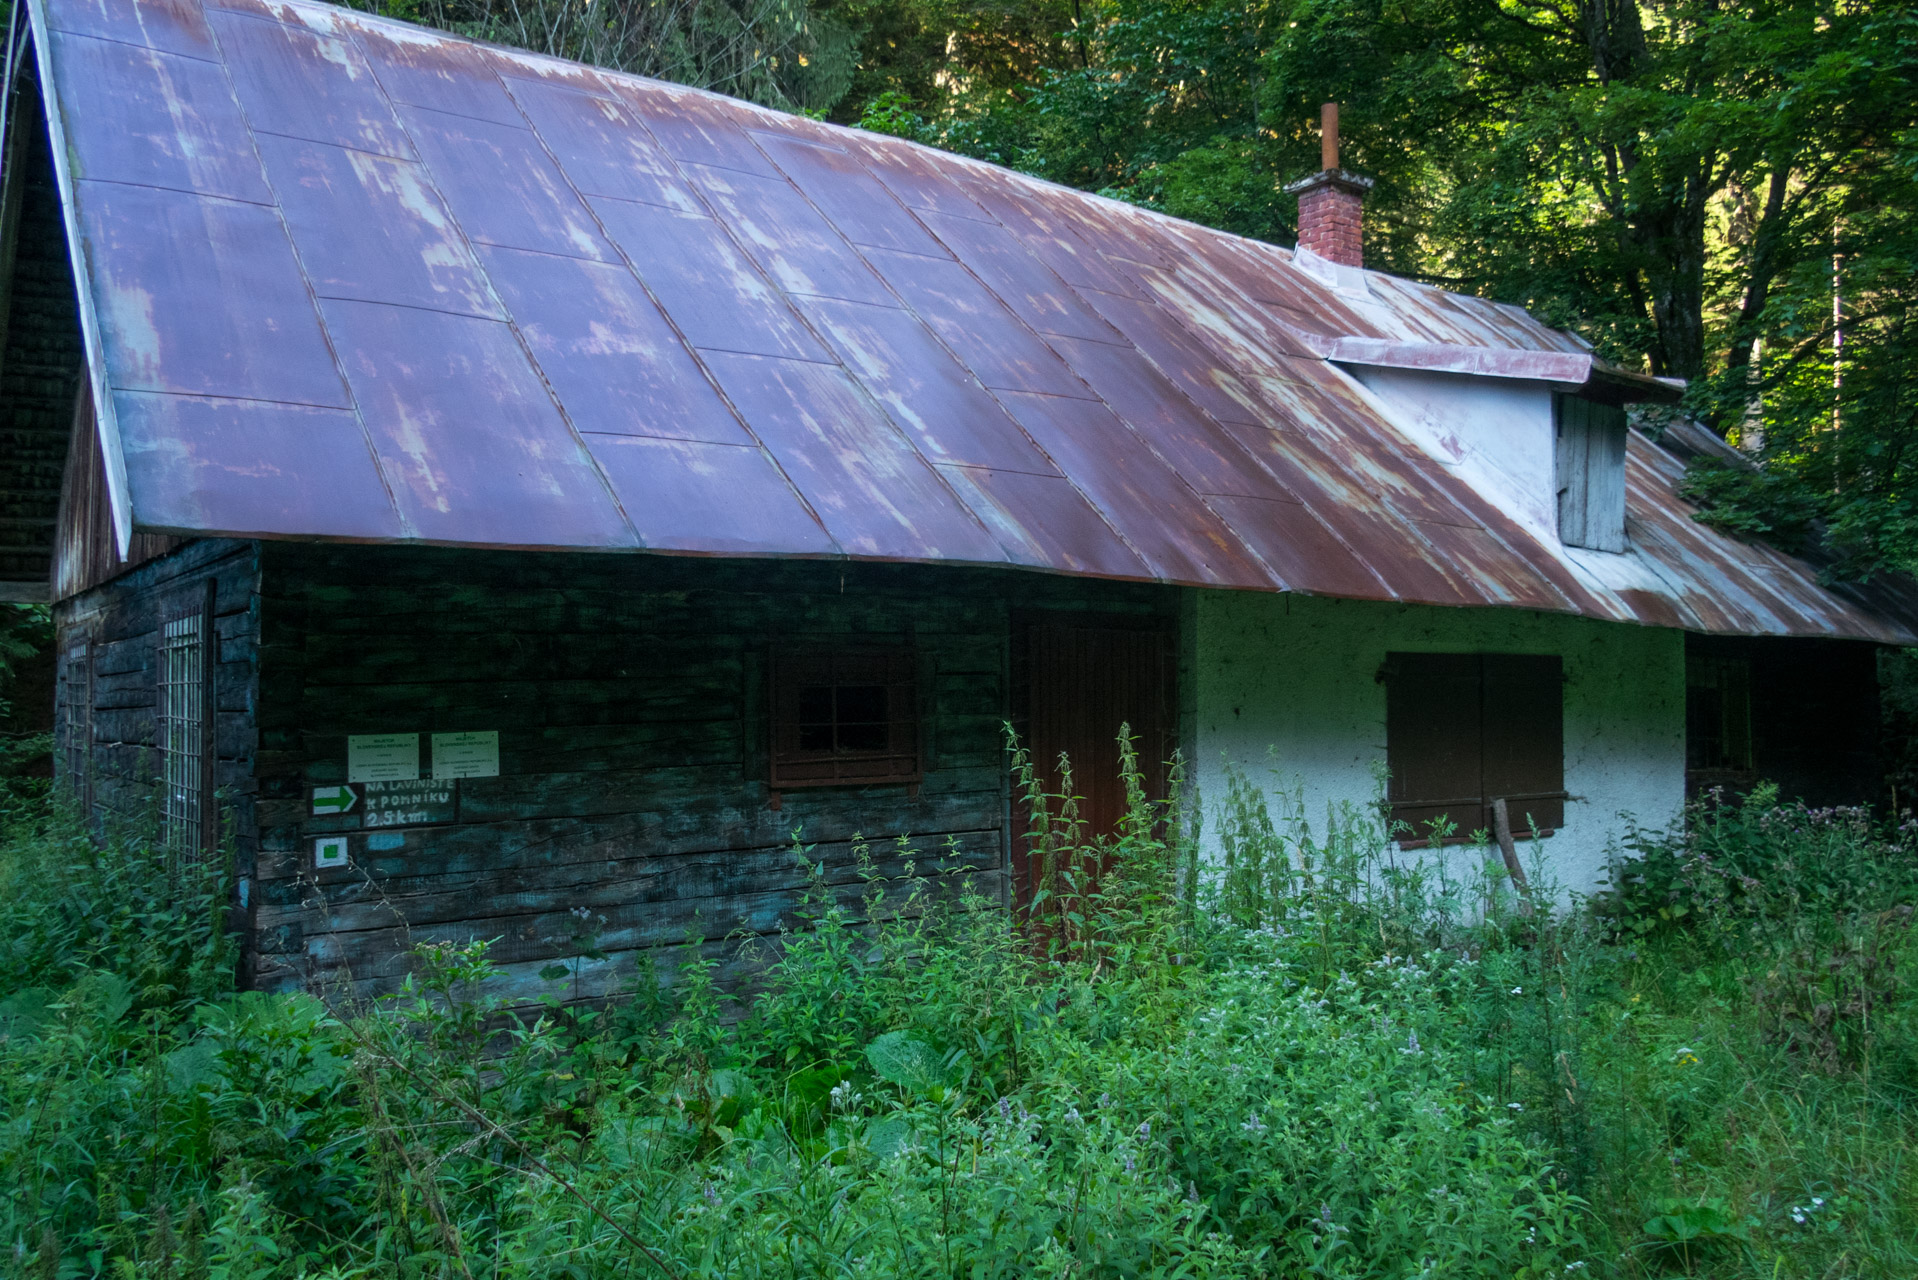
<point>629,694</point>
<point>40,352</point>
<point>85,551</point>
<point>119,623</point>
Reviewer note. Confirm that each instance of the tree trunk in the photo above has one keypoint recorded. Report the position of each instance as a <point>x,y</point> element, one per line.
<point>1671,239</point>
<point>1667,234</point>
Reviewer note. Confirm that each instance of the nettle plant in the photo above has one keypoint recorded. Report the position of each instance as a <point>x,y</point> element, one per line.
<point>1305,1052</point>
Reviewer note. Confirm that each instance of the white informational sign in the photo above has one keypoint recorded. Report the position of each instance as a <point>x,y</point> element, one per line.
<point>383,757</point>
<point>329,853</point>
<point>466,755</point>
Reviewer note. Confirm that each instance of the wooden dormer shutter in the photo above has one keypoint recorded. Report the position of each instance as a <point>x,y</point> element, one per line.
<point>1591,473</point>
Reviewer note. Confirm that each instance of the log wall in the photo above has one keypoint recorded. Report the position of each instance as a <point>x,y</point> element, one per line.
<point>106,646</point>
<point>632,812</point>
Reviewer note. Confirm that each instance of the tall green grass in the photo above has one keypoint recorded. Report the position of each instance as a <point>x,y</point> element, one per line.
<point>1304,1053</point>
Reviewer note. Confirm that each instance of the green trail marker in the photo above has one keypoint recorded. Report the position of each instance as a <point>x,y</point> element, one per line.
<point>334,800</point>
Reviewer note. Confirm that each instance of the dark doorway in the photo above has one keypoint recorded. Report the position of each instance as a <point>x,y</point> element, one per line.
<point>1076,679</point>
<point>1801,713</point>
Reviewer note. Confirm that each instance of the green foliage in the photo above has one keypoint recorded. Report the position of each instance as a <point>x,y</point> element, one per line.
<point>1307,1054</point>
<point>781,53</point>
<point>71,907</point>
<point>26,641</point>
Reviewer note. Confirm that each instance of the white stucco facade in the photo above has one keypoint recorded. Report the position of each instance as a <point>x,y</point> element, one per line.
<point>1289,682</point>
<point>1493,433</point>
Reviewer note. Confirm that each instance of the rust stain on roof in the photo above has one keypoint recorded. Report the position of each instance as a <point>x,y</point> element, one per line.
<point>351,279</point>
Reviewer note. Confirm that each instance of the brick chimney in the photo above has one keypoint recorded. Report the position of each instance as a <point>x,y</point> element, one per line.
<point>1331,201</point>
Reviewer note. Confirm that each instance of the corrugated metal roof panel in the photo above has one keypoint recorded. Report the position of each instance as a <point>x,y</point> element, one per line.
<point>580,309</point>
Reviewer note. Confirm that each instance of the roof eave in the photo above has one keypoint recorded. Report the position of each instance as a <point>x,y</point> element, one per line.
<point>1575,371</point>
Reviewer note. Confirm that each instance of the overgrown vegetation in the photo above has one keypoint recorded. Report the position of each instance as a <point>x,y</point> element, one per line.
<point>1307,1057</point>
<point>26,696</point>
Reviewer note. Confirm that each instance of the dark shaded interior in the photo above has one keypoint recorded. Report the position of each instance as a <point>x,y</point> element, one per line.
<point>41,350</point>
<point>1801,713</point>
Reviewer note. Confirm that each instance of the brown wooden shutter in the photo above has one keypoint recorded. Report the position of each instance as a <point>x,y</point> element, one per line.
<point>1432,741</point>
<point>1524,727</point>
<point>1465,729</point>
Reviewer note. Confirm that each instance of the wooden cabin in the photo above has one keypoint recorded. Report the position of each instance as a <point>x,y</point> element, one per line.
<point>498,498</point>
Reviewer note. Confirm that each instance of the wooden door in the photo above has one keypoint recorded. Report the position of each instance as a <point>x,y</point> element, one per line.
<point>1082,678</point>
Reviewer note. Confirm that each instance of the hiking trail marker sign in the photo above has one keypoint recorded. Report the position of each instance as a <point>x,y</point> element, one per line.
<point>334,802</point>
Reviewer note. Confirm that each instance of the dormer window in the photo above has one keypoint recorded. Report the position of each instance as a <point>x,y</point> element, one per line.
<point>1591,473</point>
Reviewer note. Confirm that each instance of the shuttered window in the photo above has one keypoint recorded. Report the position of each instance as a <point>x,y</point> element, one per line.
<point>1591,473</point>
<point>1465,729</point>
<point>844,717</point>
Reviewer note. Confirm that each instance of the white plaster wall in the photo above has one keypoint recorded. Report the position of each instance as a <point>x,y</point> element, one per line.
<point>1296,674</point>
<point>1496,434</point>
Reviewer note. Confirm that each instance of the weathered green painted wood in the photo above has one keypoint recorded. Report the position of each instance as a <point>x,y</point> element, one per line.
<point>501,846</point>
<point>356,902</point>
<point>375,954</point>
<point>119,623</point>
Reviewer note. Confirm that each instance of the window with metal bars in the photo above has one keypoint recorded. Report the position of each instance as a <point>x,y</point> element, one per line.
<point>1465,729</point>
<point>76,723</point>
<point>182,734</point>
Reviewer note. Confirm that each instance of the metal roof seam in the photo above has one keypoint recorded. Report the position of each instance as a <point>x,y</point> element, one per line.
<point>211,196</point>
<point>862,252</point>
<point>1261,413</point>
<point>135,44</point>
<point>107,431</point>
<point>1763,608</point>
<point>480,272</point>
<point>1259,464</point>
<point>294,137</point>
<point>1500,527</point>
<point>592,458</point>
<point>1180,315</point>
<point>306,280</point>
<point>1044,378</point>
<point>1096,398</point>
<point>800,318</point>
<point>693,352</point>
<point>1674,587</point>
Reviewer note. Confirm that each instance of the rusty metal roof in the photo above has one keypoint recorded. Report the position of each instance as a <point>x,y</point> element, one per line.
<point>348,279</point>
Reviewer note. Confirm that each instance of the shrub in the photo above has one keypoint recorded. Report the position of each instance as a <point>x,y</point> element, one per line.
<point>1320,1057</point>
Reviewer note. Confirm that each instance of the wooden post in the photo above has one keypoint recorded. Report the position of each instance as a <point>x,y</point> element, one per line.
<point>1508,850</point>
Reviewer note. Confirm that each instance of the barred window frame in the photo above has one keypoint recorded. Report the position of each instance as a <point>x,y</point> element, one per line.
<point>184,730</point>
<point>76,722</point>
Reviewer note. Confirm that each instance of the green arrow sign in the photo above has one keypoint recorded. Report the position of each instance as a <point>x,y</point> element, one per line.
<point>334,800</point>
